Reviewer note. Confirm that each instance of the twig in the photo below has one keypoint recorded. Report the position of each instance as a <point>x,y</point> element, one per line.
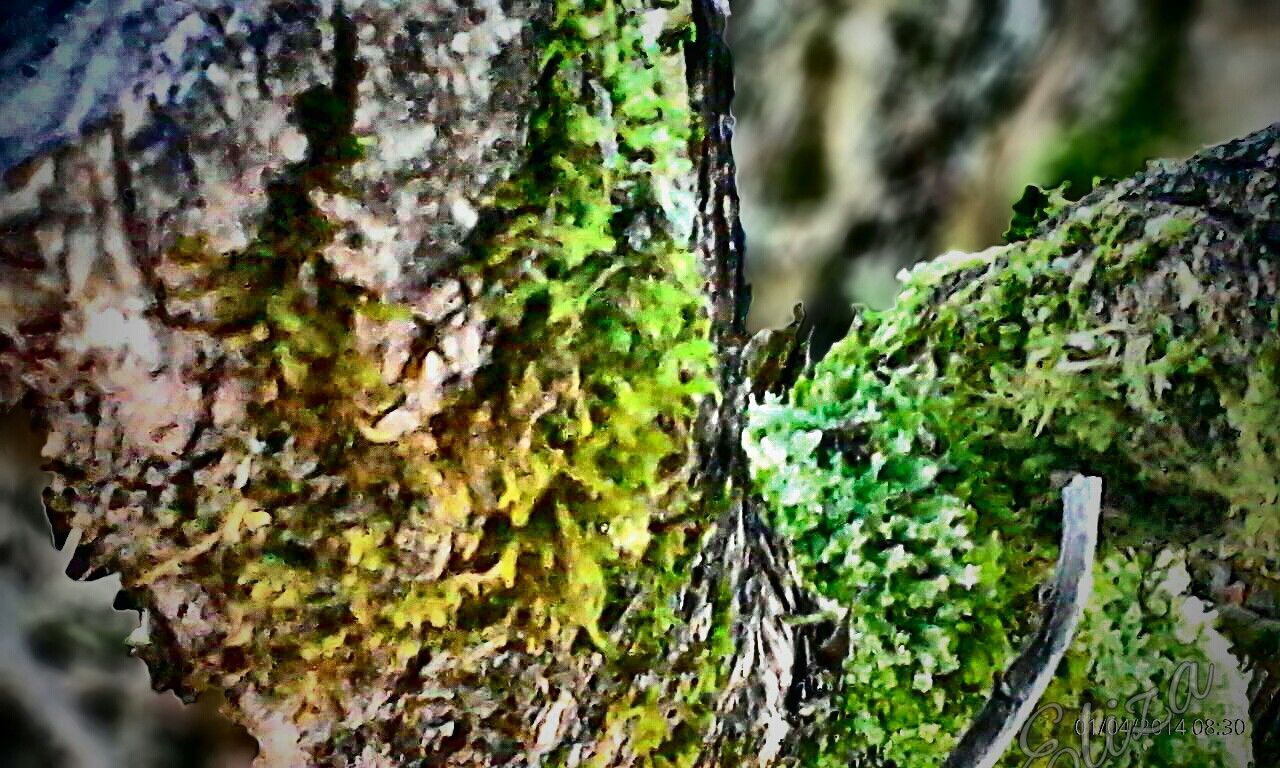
<point>1025,681</point>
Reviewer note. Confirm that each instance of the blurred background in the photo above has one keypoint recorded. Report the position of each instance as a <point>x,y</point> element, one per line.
<point>871,134</point>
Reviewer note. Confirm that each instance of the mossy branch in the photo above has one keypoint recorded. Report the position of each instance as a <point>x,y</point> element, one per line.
<point>912,469</point>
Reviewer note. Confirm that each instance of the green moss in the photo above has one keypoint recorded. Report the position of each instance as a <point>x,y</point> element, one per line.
<point>556,483</point>
<point>1034,207</point>
<point>1139,630</point>
<point>598,312</point>
<point>598,298</point>
<point>912,469</point>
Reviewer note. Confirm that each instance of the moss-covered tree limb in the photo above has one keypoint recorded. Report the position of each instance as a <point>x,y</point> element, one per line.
<point>913,469</point>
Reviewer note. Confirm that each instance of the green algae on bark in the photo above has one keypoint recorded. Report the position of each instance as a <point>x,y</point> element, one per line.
<point>1132,337</point>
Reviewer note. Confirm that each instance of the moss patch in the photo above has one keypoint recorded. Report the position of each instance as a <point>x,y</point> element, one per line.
<point>913,468</point>
<point>546,507</point>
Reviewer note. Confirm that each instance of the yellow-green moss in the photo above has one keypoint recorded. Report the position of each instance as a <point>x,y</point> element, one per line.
<point>618,328</point>
<point>555,483</point>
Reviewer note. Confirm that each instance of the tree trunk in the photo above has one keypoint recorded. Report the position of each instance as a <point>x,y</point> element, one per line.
<point>278,293</point>
<point>394,357</point>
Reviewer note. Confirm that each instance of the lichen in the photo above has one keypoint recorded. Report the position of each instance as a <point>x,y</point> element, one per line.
<point>913,468</point>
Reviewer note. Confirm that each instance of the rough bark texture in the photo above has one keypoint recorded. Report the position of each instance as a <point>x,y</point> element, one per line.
<point>393,355</point>
<point>69,693</point>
